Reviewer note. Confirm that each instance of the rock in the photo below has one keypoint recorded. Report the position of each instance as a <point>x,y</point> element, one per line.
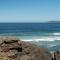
<point>57,55</point>
<point>12,54</point>
<point>3,56</point>
<point>25,57</point>
<point>1,41</point>
<point>14,49</point>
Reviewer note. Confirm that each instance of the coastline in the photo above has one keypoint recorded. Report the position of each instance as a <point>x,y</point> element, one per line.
<point>8,40</point>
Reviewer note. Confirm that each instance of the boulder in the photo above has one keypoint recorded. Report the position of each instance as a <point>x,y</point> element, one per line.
<point>57,55</point>
<point>14,49</point>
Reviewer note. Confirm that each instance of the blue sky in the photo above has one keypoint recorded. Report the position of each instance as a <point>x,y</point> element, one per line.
<point>29,10</point>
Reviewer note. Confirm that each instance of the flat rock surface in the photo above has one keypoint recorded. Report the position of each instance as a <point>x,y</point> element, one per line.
<point>14,49</point>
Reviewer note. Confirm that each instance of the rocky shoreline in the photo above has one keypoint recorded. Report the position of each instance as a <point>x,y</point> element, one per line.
<point>12,48</point>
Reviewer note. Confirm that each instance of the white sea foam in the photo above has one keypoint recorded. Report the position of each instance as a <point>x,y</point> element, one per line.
<point>56,34</point>
<point>45,38</point>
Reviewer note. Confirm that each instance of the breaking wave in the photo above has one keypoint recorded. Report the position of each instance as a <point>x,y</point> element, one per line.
<point>43,38</point>
<point>31,37</point>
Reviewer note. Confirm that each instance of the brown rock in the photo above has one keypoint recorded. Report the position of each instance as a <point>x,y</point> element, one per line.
<point>12,54</point>
<point>25,57</point>
<point>13,49</point>
<point>57,55</point>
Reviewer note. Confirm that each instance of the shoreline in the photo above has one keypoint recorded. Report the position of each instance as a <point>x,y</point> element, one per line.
<point>10,42</point>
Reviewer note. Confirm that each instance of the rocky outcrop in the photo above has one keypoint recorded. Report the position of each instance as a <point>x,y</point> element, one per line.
<point>57,55</point>
<point>14,49</point>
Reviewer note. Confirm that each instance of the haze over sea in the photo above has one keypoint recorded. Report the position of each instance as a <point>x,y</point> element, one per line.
<point>43,34</point>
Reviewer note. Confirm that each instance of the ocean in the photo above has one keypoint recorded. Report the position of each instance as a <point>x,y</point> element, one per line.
<point>46,35</point>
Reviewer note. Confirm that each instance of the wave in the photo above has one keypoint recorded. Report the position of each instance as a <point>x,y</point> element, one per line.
<point>37,33</point>
<point>56,34</point>
<point>48,38</point>
<point>52,34</point>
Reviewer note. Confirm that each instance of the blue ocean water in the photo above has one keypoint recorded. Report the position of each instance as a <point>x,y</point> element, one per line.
<point>29,27</point>
<point>43,34</point>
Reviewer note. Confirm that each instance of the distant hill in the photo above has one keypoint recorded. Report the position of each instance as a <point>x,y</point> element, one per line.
<point>53,21</point>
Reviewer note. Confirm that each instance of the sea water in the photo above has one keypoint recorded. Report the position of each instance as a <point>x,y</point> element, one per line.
<point>46,35</point>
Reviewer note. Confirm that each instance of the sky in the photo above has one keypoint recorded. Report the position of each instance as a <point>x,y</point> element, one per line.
<point>29,10</point>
